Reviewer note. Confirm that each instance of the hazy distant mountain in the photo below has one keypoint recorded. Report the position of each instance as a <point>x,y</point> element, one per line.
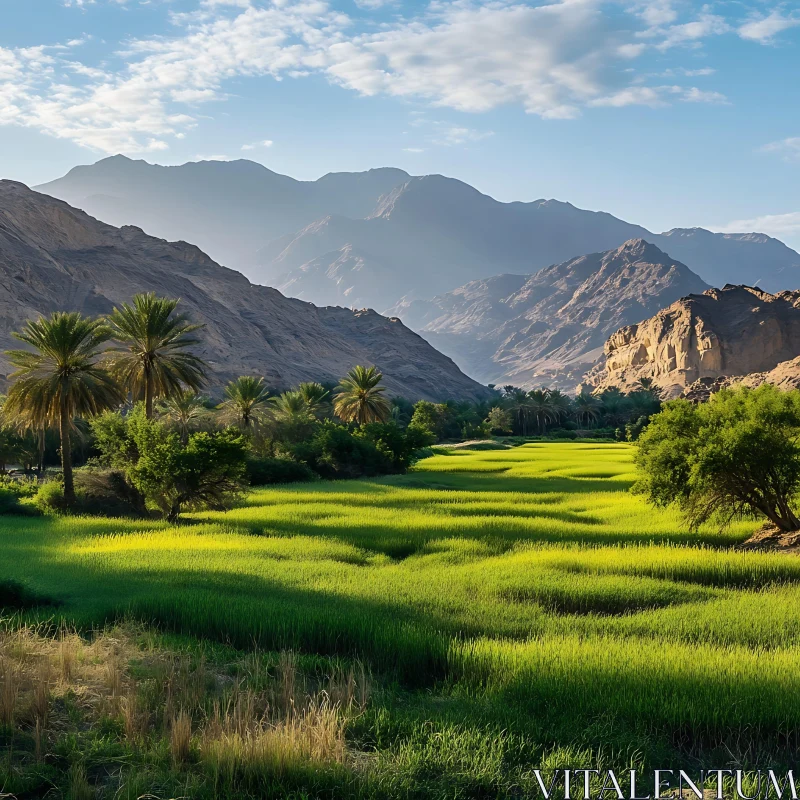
<point>368,239</point>
<point>549,328</point>
<point>227,208</point>
<point>433,233</point>
<point>55,257</point>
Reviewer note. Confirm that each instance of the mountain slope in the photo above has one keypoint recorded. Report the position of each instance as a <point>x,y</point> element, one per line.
<point>550,327</point>
<point>730,332</point>
<point>228,208</point>
<point>53,256</point>
<point>370,238</point>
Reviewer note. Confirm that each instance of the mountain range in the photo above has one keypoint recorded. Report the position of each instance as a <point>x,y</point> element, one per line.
<point>549,328</point>
<point>56,257</point>
<point>369,239</point>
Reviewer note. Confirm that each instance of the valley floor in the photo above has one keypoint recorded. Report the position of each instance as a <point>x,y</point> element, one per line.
<point>489,613</point>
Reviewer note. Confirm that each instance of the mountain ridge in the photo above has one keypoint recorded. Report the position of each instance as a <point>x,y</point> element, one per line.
<point>432,232</point>
<point>550,327</point>
<point>55,257</point>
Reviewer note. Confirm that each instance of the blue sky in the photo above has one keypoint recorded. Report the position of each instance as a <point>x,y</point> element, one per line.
<point>663,112</point>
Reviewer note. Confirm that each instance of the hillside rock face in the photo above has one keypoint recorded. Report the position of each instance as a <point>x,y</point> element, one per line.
<point>703,341</point>
<point>55,257</point>
<point>371,238</point>
<point>549,328</point>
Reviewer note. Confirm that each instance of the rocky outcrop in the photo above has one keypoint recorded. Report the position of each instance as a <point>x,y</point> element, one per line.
<point>738,334</point>
<point>549,328</point>
<point>53,256</point>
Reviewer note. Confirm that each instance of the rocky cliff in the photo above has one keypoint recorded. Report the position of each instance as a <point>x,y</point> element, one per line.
<point>727,333</point>
<point>550,327</point>
<point>53,256</point>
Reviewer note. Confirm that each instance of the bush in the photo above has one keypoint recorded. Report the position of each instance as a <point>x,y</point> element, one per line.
<point>19,488</point>
<point>50,498</point>
<point>337,452</point>
<point>263,470</point>
<point>107,492</point>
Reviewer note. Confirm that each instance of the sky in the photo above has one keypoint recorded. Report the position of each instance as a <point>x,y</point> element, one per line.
<point>662,112</point>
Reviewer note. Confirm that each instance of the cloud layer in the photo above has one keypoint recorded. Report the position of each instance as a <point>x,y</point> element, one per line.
<point>552,59</point>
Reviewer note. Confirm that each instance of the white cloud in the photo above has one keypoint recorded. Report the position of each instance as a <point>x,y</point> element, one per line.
<point>553,59</point>
<point>456,135</point>
<point>655,96</point>
<point>788,148</point>
<point>773,224</point>
<point>413,150</point>
<point>764,29</point>
<point>255,145</point>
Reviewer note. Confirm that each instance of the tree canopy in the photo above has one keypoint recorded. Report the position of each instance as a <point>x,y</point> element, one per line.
<point>736,455</point>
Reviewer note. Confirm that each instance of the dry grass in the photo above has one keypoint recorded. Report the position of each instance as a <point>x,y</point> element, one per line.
<point>250,720</point>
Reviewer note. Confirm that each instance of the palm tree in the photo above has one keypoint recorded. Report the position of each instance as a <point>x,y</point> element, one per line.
<point>153,360</point>
<point>246,402</point>
<point>315,396</point>
<point>587,408</point>
<point>540,408</point>
<point>560,404</point>
<point>61,379</point>
<point>360,397</point>
<point>519,404</point>
<point>183,409</point>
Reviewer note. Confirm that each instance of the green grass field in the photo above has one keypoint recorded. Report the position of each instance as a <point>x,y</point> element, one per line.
<point>517,608</point>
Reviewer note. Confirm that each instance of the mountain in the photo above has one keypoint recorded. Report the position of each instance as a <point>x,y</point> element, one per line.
<point>228,208</point>
<point>370,238</point>
<point>726,333</point>
<point>53,256</point>
<point>549,327</point>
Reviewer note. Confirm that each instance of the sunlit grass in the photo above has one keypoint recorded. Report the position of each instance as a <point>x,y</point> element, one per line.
<point>527,579</point>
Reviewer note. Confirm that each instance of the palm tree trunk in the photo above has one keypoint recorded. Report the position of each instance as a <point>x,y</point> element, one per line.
<point>42,445</point>
<point>148,394</point>
<point>66,453</point>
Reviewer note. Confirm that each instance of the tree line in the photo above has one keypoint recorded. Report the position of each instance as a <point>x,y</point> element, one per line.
<point>130,383</point>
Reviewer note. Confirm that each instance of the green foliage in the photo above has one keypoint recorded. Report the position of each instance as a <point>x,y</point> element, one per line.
<point>335,451</point>
<point>153,359</point>
<point>499,420</point>
<point>515,608</point>
<point>738,454</point>
<point>50,498</point>
<point>263,470</point>
<point>209,470</point>
<point>360,397</point>
<point>398,445</point>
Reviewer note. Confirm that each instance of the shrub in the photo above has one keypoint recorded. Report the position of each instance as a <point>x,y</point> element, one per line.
<point>50,498</point>
<point>107,492</point>
<point>337,452</point>
<point>263,470</point>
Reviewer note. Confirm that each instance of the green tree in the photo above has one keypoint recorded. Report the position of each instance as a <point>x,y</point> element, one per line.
<point>586,409</point>
<point>541,408</point>
<point>499,420</point>
<point>519,404</point>
<point>360,397</point>
<point>153,359</point>
<point>184,409</point>
<point>246,403</point>
<point>294,416</point>
<point>737,455</point>
<point>60,379</point>
<point>208,472</point>
<point>316,399</point>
